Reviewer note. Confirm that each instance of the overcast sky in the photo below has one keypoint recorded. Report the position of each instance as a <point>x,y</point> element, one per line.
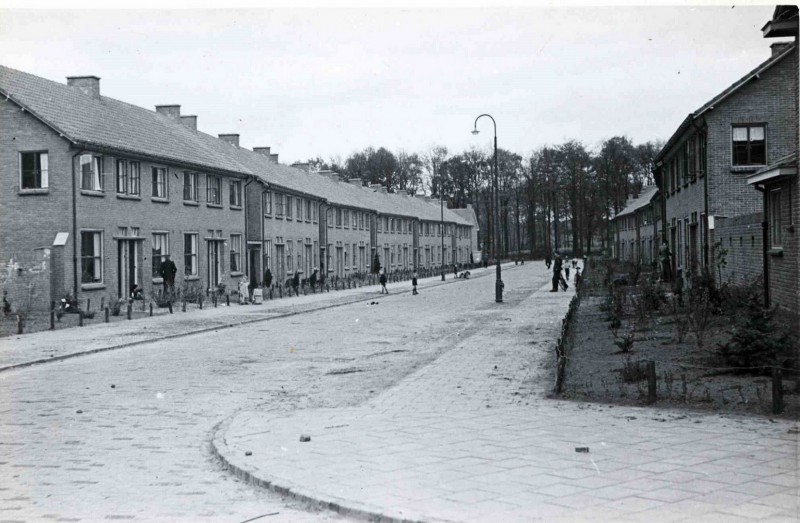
<point>328,82</point>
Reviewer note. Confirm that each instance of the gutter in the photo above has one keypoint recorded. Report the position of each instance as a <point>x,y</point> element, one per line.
<point>75,229</point>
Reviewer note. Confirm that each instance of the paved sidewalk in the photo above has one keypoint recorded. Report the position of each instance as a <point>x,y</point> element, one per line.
<point>470,437</point>
<point>48,346</point>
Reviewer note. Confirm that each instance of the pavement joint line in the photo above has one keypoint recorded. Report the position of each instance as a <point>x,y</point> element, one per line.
<point>293,491</point>
<point>204,330</point>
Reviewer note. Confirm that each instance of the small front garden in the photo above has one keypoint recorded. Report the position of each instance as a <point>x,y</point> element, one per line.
<point>713,346</point>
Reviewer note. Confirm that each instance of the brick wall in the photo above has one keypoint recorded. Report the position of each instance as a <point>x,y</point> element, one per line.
<point>25,278</point>
<point>784,285</point>
<point>35,217</point>
<point>741,238</point>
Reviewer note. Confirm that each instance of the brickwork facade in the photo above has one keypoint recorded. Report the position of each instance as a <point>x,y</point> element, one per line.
<point>739,247</point>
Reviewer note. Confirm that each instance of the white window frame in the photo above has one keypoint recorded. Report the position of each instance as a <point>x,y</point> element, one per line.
<point>236,253</point>
<point>159,237</point>
<point>159,183</point>
<point>41,159</point>
<point>91,169</point>
<point>190,268</point>
<point>97,258</point>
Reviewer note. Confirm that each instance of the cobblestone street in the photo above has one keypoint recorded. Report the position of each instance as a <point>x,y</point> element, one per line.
<point>424,407</point>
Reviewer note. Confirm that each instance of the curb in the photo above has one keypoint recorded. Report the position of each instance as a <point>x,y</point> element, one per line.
<point>293,491</point>
<point>199,331</point>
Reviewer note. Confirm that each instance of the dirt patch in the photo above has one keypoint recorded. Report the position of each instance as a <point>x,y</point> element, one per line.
<point>609,349</point>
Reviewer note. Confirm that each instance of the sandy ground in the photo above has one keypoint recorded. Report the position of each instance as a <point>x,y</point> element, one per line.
<point>686,377</point>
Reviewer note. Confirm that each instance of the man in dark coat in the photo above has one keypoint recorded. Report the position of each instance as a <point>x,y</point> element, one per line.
<point>296,281</point>
<point>558,279</point>
<point>268,278</point>
<point>313,279</point>
<point>167,272</point>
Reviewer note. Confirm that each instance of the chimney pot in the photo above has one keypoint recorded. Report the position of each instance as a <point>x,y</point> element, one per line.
<point>190,122</point>
<point>86,84</point>
<point>262,150</point>
<point>170,111</point>
<point>302,166</point>
<point>273,157</point>
<point>232,139</point>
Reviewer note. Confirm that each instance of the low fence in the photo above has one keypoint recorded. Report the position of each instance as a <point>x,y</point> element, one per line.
<point>567,325</point>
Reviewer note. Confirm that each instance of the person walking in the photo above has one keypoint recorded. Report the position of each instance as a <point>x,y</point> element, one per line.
<point>414,283</point>
<point>313,280</point>
<point>167,271</point>
<point>296,282</point>
<point>382,279</point>
<point>548,261</point>
<point>268,278</point>
<point>558,279</point>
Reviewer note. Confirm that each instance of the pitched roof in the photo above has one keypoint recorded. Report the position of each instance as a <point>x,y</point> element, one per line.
<point>730,90</point>
<point>467,214</point>
<point>101,121</point>
<point>106,123</point>
<point>644,198</point>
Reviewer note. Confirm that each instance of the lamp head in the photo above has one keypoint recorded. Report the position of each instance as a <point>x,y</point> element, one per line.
<point>475,131</point>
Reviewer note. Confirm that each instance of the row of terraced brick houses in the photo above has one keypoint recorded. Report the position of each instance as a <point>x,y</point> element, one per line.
<point>727,196</point>
<point>97,193</point>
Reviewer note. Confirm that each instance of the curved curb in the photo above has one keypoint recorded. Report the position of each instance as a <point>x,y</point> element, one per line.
<point>293,491</point>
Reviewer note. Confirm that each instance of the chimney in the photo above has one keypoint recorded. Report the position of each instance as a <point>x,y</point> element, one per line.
<point>86,84</point>
<point>779,47</point>
<point>170,111</point>
<point>401,192</point>
<point>273,157</point>
<point>232,139</point>
<point>264,151</point>
<point>355,181</point>
<point>190,122</point>
<point>302,166</point>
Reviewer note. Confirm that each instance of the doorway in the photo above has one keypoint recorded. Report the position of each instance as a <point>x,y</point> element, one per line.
<point>214,264</point>
<point>127,256</point>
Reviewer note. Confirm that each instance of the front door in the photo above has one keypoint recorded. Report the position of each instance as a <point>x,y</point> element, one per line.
<point>339,262</point>
<point>280,267</point>
<point>126,268</point>
<point>253,265</point>
<point>214,264</point>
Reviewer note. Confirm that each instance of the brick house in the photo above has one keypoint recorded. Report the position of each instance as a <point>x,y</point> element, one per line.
<point>711,217</point>
<point>637,228</point>
<point>100,193</point>
<point>780,195</point>
<point>473,254</point>
<point>106,192</point>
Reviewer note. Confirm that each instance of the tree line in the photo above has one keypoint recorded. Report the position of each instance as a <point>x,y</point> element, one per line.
<point>558,197</point>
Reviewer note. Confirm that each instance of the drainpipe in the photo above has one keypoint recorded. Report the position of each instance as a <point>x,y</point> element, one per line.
<point>261,239</point>
<point>74,229</point>
<point>765,246</point>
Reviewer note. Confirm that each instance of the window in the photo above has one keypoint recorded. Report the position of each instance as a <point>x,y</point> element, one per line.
<point>33,171</point>
<point>91,256</point>
<point>236,252</point>
<point>159,182</point>
<point>160,252</point>
<point>314,212</point>
<point>128,177</point>
<point>213,190</point>
<point>338,217</point>
<point>236,193</point>
<point>314,254</point>
<point>268,203</point>
<point>289,256</point>
<point>355,219</point>
<point>346,219</point>
<point>190,192</point>
<point>776,241</point>
<point>308,210</point>
<point>380,224</point>
<point>299,214</point>
<point>361,220</point>
<point>91,172</point>
<point>288,207</point>
<point>749,145</point>
<point>190,254</point>
<point>279,201</point>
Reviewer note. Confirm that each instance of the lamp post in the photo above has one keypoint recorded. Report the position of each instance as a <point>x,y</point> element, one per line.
<point>498,285</point>
<point>441,208</point>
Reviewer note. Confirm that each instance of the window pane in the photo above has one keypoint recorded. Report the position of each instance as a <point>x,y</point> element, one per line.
<point>758,153</point>
<point>740,134</point>
<point>756,133</point>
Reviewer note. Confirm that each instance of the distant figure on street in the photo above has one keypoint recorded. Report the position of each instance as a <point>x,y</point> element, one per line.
<point>244,291</point>
<point>414,283</point>
<point>136,292</point>
<point>558,279</point>
<point>313,279</point>
<point>577,277</point>
<point>167,272</point>
<point>268,278</point>
<point>296,281</point>
<point>566,271</point>
<point>382,279</point>
<point>548,261</point>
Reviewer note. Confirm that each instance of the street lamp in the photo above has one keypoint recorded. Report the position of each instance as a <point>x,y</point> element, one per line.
<point>498,285</point>
<point>441,208</point>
